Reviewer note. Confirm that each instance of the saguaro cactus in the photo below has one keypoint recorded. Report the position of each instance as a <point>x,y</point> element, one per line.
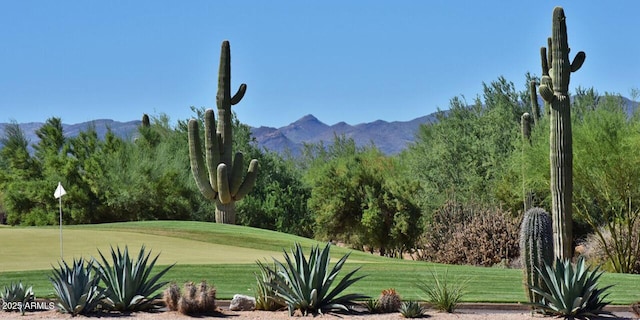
<point>525,126</point>
<point>535,108</point>
<point>221,180</point>
<point>536,245</point>
<point>554,89</point>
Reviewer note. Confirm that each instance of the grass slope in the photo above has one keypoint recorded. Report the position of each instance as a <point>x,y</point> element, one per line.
<point>224,255</point>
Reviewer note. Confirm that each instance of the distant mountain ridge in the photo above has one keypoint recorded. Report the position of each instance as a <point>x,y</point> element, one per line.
<point>125,130</point>
<point>389,137</point>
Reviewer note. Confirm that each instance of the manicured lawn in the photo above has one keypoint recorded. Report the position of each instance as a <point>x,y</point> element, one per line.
<point>225,255</point>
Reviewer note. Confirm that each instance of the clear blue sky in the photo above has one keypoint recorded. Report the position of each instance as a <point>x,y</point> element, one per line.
<point>355,61</point>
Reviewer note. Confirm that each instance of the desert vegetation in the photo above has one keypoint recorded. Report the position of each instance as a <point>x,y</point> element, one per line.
<point>470,190</point>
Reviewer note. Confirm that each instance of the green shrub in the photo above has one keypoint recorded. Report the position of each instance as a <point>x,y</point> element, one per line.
<point>442,295</point>
<point>16,294</point>
<point>76,288</point>
<point>571,292</point>
<point>129,285</point>
<point>305,285</point>
<point>411,309</point>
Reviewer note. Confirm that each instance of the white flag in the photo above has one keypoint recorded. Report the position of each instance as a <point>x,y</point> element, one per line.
<point>59,191</point>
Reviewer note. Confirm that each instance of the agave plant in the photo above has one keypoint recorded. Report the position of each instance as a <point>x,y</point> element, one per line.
<point>305,285</point>
<point>411,309</point>
<point>76,287</point>
<point>266,297</point>
<point>16,294</point>
<point>572,292</point>
<point>129,285</point>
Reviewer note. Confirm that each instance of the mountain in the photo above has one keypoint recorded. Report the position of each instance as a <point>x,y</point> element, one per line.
<point>389,137</point>
<point>124,130</point>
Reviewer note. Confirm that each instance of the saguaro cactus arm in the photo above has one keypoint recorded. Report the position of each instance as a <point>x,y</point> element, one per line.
<point>249,180</point>
<point>197,165</point>
<point>556,67</point>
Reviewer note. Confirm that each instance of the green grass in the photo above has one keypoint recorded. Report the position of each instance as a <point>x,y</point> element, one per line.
<point>225,256</point>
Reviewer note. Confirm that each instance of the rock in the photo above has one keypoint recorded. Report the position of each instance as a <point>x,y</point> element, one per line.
<point>241,302</point>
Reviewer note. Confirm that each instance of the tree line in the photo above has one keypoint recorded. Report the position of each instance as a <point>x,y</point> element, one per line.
<point>339,191</point>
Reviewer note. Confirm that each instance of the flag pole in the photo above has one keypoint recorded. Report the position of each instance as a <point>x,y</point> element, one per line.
<point>58,194</point>
<point>61,258</point>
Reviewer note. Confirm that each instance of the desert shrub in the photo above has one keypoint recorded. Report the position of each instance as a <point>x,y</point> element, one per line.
<point>470,234</point>
<point>443,294</point>
<point>617,251</point>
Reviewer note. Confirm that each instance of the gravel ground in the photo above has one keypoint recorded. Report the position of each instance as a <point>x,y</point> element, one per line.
<point>466,312</point>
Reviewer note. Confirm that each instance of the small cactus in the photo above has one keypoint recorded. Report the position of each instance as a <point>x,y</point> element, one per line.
<point>170,296</point>
<point>536,249</point>
<point>389,301</point>
<point>194,300</point>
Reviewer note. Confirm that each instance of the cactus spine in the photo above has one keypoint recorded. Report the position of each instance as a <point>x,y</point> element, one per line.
<point>221,179</point>
<point>536,244</point>
<point>554,89</point>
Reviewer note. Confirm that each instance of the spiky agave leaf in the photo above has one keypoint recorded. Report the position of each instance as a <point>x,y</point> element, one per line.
<point>129,286</point>
<point>76,287</point>
<point>16,292</point>
<point>305,285</point>
<point>572,292</point>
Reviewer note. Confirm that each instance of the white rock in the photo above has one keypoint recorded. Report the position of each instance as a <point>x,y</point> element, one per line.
<point>241,302</point>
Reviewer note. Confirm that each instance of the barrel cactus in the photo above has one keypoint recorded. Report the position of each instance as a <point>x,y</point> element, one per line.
<point>554,89</point>
<point>536,249</point>
<point>222,179</point>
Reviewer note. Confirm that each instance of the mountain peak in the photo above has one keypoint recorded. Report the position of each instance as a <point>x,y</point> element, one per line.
<point>308,118</point>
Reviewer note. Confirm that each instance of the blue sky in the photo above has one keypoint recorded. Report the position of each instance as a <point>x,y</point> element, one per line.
<point>354,61</point>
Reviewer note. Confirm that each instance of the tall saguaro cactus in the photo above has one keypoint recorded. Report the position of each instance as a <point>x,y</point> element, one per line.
<point>222,179</point>
<point>554,89</point>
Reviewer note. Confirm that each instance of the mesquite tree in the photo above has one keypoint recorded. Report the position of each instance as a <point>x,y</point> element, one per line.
<point>222,179</point>
<point>554,89</point>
